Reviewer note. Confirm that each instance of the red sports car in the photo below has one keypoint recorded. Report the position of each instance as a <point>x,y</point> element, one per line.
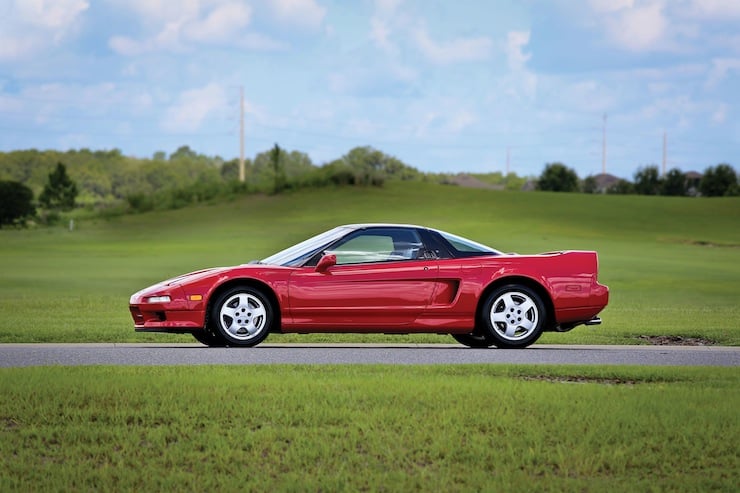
<point>387,278</point>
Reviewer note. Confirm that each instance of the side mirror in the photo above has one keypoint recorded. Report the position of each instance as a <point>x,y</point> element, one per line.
<point>325,262</point>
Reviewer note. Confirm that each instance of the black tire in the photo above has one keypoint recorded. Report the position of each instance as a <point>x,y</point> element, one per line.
<point>242,316</point>
<point>513,316</point>
<point>474,340</point>
<point>208,338</point>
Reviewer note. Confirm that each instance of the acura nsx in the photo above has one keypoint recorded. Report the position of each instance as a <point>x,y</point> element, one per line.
<point>385,278</point>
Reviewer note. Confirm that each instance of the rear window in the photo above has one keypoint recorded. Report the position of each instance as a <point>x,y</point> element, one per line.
<point>467,246</point>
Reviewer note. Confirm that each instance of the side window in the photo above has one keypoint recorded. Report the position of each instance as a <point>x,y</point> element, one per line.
<point>378,245</point>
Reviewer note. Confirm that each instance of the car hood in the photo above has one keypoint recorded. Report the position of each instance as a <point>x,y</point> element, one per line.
<point>194,276</point>
<point>214,271</point>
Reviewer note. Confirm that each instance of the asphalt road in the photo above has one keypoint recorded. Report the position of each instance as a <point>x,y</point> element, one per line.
<point>19,355</point>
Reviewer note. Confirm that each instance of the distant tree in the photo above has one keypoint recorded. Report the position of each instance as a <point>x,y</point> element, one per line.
<point>60,192</point>
<point>589,184</point>
<point>674,183</point>
<point>368,165</point>
<point>183,152</point>
<point>16,202</point>
<point>373,167</point>
<point>557,177</point>
<point>622,187</point>
<point>514,182</point>
<point>296,164</point>
<point>647,180</point>
<point>230,170</point>
<point>339,173</point>
<point>278,172</point>
<point>718,181</point>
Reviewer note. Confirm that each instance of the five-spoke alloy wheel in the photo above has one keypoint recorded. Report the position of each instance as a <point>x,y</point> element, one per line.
<point>513,316</point>
<point>242,315</point>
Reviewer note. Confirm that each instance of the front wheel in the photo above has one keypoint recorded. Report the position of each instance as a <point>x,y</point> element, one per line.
<point>208,338</point>
<point>242,315</point>
<point>474,340</point>
<point>513,316</point>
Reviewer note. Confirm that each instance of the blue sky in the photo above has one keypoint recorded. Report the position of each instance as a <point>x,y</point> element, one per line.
<point>446,86</point>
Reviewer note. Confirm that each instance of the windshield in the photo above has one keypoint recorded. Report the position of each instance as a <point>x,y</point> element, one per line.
<point>297,254</point>
<point>465,245</point>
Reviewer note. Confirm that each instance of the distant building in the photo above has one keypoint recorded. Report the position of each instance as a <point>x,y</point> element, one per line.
<point>693,179</point>
<point>604,181</point>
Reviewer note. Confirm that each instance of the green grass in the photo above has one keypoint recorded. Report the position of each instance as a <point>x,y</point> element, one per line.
<point>369,428</point>
<point>673,264</point>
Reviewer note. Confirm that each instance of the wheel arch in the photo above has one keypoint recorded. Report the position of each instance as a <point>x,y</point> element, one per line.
<point>543,293</point>
<point>251,282</point>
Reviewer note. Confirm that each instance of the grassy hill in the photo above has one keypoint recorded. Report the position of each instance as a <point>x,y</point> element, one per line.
<point>673,264</point>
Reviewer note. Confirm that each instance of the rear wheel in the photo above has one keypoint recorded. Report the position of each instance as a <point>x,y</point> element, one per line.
<point>474,340</point>
<point>242,315</point>
<point>513,316</point>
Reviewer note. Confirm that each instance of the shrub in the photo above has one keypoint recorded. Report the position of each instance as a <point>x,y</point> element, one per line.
<point>16,203</point>
<point>558,178</point>
<point>718,181</point>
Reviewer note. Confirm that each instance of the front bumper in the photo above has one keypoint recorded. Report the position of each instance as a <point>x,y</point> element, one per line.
<point>176,315</point>
<point>152,318</point>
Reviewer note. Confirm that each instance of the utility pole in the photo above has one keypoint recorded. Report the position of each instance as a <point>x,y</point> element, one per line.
<point>665,151</point>
<point>508,156</point>
<point>603,148</point>
<point>241,134</point>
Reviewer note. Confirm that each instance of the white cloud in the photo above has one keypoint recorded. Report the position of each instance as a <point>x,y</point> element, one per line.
<point>520,82</point>
<point>304,13</point>
<point>193,107</point>
<point>456,50</point>
<point>161,11</point>
<point>221,23</point>
<point>717,9</point>
<point>638,28</point>
<point>721,68</point>
<point>16,46</point>
<point>380,32</point>
<point>387,6</point>
<point>610,5</point>
<point>197,22</point>
<point>662,25</point>
<point>423,122</point>
<point>515,43</point>
<point>389,26</point>
<point>127,46</point>
<point>720,114</point>
<point>29,26</point>
<point>260,42</point>
<point>51,14</point>
<point>460,121</point>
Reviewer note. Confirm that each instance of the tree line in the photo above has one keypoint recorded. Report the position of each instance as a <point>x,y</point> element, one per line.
<point>111,183</point>
<point>42,184</point>
<point>716,181</point>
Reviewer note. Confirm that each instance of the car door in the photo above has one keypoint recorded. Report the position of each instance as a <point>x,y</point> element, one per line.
<point>380,280</point>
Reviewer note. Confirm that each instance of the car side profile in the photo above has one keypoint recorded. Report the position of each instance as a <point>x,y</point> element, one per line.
<point>384,278</point>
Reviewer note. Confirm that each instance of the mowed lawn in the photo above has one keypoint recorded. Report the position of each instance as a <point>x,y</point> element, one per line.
<point>369,428</point>
<point>673,264</point>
